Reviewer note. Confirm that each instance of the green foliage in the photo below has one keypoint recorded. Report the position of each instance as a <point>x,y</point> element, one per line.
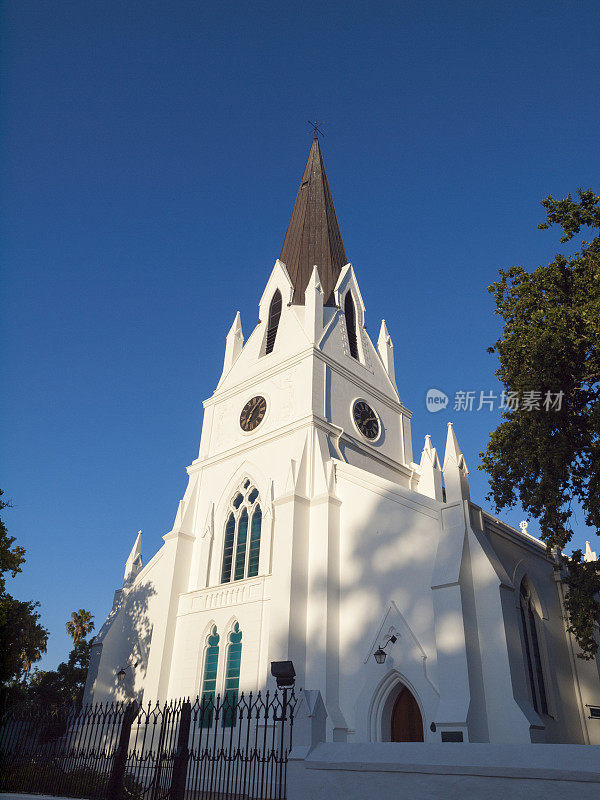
<point>22,639</point>
<point>11,555</point>
<point>548,459</point>
<point>582,607</point>
<point>64,685</point>
<point>80,624</point>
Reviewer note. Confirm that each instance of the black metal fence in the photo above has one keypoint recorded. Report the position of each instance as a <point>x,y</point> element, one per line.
<point>212,749</point>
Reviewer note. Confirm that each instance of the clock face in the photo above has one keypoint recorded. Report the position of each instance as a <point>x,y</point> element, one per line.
<point>366,420</point>
<point>253,413</point>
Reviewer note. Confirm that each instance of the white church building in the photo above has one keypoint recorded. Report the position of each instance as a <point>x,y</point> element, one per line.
<point>308,532</point>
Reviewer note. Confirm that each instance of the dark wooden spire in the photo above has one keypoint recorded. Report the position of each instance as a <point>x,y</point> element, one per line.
<point>313,235</point>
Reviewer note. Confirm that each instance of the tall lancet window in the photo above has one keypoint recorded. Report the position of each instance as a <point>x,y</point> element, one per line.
<point>241,546</point>
<point>232,676</point>
<point>273,323</point>
<point>535,672</point>
<point>350,315</point>
<point>209,678</point>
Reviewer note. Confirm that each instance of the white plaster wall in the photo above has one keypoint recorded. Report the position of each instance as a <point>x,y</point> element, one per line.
<point>245,602</point>
<point>138,630</point>
<point>388,544</point>
<point>569,684</point>
<point>266,462</point>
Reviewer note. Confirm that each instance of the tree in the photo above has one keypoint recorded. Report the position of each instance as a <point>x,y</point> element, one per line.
<point>22,639</point>
<point>11,555</point>
<point>546,452</point>
<point>66,684</point>
<point>80,624</point>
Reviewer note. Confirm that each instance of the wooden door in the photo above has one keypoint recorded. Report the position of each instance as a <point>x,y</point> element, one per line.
<point>407,724</point>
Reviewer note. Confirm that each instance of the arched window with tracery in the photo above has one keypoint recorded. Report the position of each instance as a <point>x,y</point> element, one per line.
<point>535,672</point>
<point>241,548</point>
<point>209,677</point>
<point>350,314</point>
<point>232,676</point>
<point>273,321</point>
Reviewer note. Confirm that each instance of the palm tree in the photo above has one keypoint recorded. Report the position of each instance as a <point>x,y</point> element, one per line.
<point>28,657</point>
<point>80,624</point>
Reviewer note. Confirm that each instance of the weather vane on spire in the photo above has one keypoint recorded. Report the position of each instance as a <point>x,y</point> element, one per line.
<point>316,129</point>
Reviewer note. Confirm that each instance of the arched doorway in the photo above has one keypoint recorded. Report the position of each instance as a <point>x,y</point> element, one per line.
<point>407,723</point>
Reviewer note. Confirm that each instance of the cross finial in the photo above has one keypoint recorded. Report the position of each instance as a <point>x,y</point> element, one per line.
<point>316,130</point>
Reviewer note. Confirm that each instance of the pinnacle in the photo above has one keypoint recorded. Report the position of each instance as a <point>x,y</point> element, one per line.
<point>453,451</point>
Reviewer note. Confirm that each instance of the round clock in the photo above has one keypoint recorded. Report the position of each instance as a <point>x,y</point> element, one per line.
<point>366,420</point>
<point>253,413</point>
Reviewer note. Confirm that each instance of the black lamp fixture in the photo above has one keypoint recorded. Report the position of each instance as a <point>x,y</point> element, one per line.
<point>380,655</point>
<point>284,673</point>
<point>123,671</point>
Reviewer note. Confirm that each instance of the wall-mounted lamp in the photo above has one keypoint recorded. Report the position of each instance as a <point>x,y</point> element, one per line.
<point>284,673</point>
<point>123,671</point>
<point>380,655</point>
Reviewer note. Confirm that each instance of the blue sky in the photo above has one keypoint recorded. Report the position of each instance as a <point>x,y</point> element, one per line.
<point>151,153</point>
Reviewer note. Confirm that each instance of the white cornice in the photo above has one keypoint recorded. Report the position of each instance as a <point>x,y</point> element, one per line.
<point>298,357</point>
<point>396,406</point>
<point>248,383</point>
<point>299,424</point>
<point>522,540</point>
<point>389,490</point>
<point>224,595</point>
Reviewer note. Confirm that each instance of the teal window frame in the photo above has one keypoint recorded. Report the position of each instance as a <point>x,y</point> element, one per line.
<point>232,677</point>
<point>242,537</point>
<point>254,549</point>
<point>209,678</point>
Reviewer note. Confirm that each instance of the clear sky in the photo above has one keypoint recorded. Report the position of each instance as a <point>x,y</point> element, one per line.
<point>151,154</point>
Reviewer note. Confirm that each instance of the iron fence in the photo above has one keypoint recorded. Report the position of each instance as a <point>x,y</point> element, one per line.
<point>214,748</point>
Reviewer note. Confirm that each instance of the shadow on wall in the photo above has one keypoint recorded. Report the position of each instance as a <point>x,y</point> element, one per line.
<point>390,559</point>
<point>124,641</point>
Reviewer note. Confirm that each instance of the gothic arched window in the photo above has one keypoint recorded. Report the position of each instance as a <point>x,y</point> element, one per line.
<point>535,672</point>
<point>209,678</point>
<point>241,548</point>
<point>232,676</point>
<point>273,322</point>
<point>350,315</point>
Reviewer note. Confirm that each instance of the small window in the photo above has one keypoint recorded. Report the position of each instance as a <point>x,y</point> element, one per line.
<point>273,323</point>
<point>232,677</point>
<point>228,549</point>
<point>350,315</point>
<point>209,680</point>
<point>240,555</point>
<point>238,501</point>
<point>254,552</point>
<point>535,672</point>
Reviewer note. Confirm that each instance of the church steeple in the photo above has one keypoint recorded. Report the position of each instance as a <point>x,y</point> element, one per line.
<point>313,236</point>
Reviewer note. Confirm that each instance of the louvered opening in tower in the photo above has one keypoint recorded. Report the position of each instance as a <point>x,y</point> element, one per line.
<point>273,323</point>
<point>351,325</point>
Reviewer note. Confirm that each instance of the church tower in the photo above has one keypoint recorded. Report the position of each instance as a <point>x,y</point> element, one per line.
<point>306,388</point>
<point>308,533</point>
<point>255,541</point>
